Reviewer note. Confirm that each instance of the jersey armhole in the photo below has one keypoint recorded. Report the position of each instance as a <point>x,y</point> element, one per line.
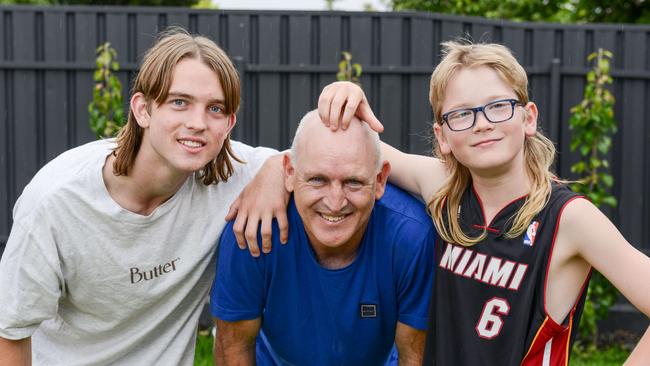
<point>548,267</point>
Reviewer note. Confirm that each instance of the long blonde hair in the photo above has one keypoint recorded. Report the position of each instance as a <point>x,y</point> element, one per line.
<point>539,151</point>
<point>154,80</point>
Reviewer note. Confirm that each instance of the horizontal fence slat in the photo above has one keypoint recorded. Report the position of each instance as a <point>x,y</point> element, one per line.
<point>308,68</point>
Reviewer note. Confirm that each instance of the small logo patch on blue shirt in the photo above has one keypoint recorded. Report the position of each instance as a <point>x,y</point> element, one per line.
<point>368,310</point>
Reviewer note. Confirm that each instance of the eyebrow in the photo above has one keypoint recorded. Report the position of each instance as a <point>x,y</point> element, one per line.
<point>346,178</point>
<point>490,100</point>
<point>174,94</point>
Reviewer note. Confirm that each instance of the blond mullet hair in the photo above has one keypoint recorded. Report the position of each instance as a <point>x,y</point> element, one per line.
<point>154,80</point>
<point>539,151</point>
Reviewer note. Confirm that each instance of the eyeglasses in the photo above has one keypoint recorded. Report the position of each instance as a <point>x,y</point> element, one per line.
<point>495,112</point>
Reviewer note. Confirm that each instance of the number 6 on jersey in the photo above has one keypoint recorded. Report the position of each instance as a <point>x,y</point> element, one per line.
<point>490,323</point>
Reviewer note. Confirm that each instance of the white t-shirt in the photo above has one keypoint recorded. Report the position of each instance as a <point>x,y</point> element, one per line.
<point>94,283</point>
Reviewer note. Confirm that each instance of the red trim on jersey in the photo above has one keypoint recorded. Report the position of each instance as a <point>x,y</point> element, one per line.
<point>490,229</point>
<point>539,331</point>
<point>480,203</point>
<point>551,343</point>
<point>557,352</point>
<point>550,257</point>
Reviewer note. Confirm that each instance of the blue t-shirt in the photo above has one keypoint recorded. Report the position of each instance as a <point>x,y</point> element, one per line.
<point>316,316</point>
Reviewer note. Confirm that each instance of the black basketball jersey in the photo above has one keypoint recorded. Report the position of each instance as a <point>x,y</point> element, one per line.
<point>488,303</point>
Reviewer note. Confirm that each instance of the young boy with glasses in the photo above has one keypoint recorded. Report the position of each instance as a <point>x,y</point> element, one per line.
<point>517,245</point>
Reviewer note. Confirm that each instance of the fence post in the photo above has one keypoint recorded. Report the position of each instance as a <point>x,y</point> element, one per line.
<point>242,125</point>
<point>240,65</point>
<point>555,101</point>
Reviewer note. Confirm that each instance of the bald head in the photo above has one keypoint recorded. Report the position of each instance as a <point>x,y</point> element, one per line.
<point>335,177</point>
<point>311,130</point>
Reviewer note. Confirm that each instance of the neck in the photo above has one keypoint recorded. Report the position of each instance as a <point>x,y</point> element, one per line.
<point>497,189</point>
<point>145,188</point>
<point>335,257</point>
<point>335,260</point>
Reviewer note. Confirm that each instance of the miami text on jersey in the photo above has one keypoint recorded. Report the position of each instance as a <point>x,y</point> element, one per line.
<point>487,269</point>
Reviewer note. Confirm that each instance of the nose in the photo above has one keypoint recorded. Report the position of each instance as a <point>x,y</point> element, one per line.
<point>196,120</point>
<point>335,198</point>
<point>482,122</point>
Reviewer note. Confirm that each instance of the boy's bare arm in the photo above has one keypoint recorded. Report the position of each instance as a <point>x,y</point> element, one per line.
<point>235,342</point>
<point>15,352</point>
<point>641,353</point>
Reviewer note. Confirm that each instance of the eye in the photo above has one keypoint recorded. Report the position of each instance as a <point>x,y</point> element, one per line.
<point>353,184</point>
<point>178,102</point>
<point>316,181</point>
<point>216,109</point>
<point>499,105</point>
<point>462,114</point>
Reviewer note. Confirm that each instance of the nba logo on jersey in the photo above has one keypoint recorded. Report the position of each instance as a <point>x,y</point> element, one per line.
<point>529,237</point>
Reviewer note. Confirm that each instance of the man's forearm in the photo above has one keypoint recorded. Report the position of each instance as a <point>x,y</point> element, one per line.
<point>15,352</point>
<point>410,345</point>
<point>233,354</point>
<point>235,342</point>
<point>410,357</point>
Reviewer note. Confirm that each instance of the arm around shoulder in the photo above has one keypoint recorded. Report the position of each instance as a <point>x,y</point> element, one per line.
<point>15,352</point>
<point>418,174</point>
<point>263,199</point>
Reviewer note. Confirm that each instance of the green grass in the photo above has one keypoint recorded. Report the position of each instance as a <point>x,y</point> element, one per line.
<point>610,356</point>
<point>203,355</point>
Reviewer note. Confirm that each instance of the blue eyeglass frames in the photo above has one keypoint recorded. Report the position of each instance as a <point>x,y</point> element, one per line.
<point>497,111</point>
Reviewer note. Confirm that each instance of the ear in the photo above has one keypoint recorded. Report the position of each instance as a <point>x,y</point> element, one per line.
<point>289,172</point>
<point>382,178</point>
<point>232,121</point>
<point>139,109</point>
<point>442,140</point>
<point>530,119</point>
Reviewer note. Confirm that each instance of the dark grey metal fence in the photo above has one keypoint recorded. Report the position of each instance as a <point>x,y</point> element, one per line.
<point>47,60</point>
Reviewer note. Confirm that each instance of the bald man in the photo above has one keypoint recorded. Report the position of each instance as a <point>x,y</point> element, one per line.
<point>353,280</point>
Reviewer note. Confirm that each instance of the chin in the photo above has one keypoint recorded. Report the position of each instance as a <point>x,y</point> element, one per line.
<point>332,242</point>
<point>487,160</point>
<point>192,166</point>
<point>489,166</point>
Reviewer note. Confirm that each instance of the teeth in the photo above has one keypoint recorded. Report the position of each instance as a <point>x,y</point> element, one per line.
<point>189,143</point>
<point>333,218</point>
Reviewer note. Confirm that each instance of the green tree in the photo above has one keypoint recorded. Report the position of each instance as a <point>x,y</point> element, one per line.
<point>106,110</point>
<point>329,4</point>
<point>349,71</point>
<point>611,11</point>
<point>205,4</point>
<point>524,10</point>
<point>592,123</point>
<point>24,2</point>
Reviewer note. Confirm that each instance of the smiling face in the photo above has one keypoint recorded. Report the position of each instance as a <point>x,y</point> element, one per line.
<point>335,183</point>
<point>486,148</point>
<point>187,130</point>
